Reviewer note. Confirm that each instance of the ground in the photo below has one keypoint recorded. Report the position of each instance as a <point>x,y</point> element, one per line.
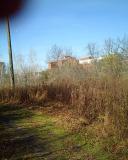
<point>27,134</point>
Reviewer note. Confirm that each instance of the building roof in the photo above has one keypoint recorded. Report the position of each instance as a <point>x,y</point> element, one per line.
<point>86,58</point>
<point>63,59</point>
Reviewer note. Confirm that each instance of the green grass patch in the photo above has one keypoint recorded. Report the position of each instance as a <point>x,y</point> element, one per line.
<point>35,135</point>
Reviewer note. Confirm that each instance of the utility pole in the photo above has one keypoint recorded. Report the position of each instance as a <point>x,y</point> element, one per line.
<point>12,80</point>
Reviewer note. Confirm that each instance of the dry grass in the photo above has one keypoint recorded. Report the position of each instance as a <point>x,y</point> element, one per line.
<point>95,100</point>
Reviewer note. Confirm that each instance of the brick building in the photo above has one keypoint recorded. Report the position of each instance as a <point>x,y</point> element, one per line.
<point>59,63</point>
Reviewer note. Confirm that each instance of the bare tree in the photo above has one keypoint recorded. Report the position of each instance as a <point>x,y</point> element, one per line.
<point>67,52</point>
<point>27,69</point>
<point>123,45</point>
<point>111,46</point>
<point>92,49</point>
<point>57,53</point>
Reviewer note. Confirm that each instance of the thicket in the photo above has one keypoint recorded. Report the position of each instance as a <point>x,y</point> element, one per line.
<point>98,93</point>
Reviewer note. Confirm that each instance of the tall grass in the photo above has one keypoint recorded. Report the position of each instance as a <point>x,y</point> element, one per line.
<point>97,100</point>
<point>99,95</point>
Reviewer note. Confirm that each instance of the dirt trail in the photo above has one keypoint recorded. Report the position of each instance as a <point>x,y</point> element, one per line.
<point>26,135</point>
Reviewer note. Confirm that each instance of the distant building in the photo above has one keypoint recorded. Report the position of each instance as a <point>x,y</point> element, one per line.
<point>2,66</point>
<point>2,69</point>
<point>59,63</point>
<point>89,60</point>
<point>52,65</point>
<point>86,60</point>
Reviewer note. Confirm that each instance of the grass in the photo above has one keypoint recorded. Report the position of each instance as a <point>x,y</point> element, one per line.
<point>31,135</point>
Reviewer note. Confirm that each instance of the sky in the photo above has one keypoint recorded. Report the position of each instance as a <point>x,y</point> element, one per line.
<point>67,23</point>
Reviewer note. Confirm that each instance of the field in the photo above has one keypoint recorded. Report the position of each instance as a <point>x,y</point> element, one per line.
<point>71,112</point>
<point>27,133</point>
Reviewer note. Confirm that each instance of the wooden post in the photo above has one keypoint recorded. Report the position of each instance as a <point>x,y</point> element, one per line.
<point>12,80</point>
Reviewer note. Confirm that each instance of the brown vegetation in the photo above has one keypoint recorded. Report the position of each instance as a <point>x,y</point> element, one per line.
<point>101,99</point>
<point>98,96</point>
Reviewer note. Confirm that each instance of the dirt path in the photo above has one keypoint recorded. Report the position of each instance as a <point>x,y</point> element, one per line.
<point>27,135</point>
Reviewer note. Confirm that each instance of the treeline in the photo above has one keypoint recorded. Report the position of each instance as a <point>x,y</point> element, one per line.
<point>28,72</point>
<point>99,93</point>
